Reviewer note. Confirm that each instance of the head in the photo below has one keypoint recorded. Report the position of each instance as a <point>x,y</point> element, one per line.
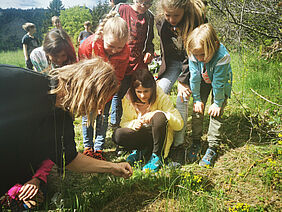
<point>85,87</point>
<point>29,27</point>
<point>87,25</point>
<point>56,22</point>
<point>185,14</point>
<point>143,87</point>
<point>58,47</point>
<point>141,6</point>
<point>203,43</point>
<point>114,31</point>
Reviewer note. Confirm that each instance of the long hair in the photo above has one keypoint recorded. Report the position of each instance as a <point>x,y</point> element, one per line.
<point>203,37</point>
<point>85,87</point>
<point>112,25</point>
<point>194,14</point>
<point>144,78</point>
<point>56,41</point>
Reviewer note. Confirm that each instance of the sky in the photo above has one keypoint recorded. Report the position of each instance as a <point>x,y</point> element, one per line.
<point>28,4</point>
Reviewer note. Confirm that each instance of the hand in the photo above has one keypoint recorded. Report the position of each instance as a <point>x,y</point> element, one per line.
<point>147,58</point>
<point>37,200</point>
<point>122,170</point>
<point>29,189</point>
<point>198,107</point>
<point>183,91</point>
<point>138,124</point>
<point>214,110</point>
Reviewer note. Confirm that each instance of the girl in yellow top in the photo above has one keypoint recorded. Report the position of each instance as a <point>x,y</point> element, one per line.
<point>148,121</point>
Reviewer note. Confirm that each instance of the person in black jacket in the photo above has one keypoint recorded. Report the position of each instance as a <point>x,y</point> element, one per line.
<point>37,118</point>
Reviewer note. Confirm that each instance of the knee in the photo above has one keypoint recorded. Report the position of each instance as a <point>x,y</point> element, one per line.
<point>119,136</point>
<point>159,119</point>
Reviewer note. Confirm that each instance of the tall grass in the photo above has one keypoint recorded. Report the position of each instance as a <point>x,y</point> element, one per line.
<point>13,58</point>
<point>241,169</point>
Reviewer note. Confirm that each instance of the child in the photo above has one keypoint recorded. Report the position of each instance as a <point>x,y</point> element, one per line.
<point>110,43</point>
<point>209,64</point>
<point>140,23</point>
<point>28,195</point>
<point>86,33</point>
<point>29,42</point>
<point>176,20</point>
<point>40,109</point>
<point>148,121</point>
<point>56,22</point>
<point>57,51</point>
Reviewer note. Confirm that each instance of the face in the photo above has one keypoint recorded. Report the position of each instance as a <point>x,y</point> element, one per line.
<point>59,59</point>
<point>144,94</point>
<point>57,23</point>
<point>174,16</point>
<point>113,45</point>
<point>200,55</point>
<point>142,6</point>
<point>32,30</point>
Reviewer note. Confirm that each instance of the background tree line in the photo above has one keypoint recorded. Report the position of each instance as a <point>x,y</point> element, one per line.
<point>239,23</point>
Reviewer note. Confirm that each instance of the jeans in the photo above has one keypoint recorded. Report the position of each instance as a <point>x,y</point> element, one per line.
<point>101,129</point>
<point>116,111</point>
<point>174,68</point>
<point>215,125</point>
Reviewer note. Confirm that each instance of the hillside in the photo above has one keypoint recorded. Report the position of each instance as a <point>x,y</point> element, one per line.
<point>11,31</point>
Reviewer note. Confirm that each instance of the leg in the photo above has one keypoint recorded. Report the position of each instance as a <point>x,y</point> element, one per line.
<point>182,107</point>
<point>116,111</point>
<point>101,128</point>
<point>87,133</point>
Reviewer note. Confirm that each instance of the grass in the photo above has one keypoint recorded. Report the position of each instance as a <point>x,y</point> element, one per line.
<point>12,58</point>
<point>246,176</point>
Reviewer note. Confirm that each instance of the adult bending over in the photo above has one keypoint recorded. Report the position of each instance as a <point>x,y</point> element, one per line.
<point>37,118</point>
<point>148,121</point>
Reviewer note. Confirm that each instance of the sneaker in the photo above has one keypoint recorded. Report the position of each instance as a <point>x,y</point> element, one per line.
<point>98,154</point>
<point>193,152</point>
<point>209,158</point>
<point>153,164</point>
<point>89,151</point>
<point>133,157</point>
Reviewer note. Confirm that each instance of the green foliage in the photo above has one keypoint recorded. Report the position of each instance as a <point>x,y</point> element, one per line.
<point>55,7</point>
<point>72,20</point>
<point>13,58</point>
<point>99,11</point>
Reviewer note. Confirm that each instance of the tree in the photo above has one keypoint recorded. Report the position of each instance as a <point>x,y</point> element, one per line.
<point>99,11</point>
<point>237,21</point>
<point>55,7</point>
<point>72,20</point>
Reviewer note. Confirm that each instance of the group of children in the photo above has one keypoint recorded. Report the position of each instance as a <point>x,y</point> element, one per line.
<point>148,122</point>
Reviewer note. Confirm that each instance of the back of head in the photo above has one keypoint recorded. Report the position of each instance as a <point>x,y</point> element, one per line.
<point>144,78</point>
<point>56,41</point>
<point>86,86</point>
<point>55,19</point>
<point>114,26</point>
<point>27,26</point>
<point>203,37</point>
<point>87,23</point>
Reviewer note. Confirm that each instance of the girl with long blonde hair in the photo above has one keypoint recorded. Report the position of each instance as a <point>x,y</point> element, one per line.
<point>110,43</point>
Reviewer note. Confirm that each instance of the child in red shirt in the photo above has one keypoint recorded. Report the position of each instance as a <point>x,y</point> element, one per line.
<point>110,43</point>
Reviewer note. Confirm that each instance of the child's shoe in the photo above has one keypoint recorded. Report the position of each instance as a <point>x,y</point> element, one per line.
<point>193,152</point>
<point>89,151</point>
<point>98,154</point>
<point>133,157</point>
<point>153,164</point>
<point>209,158</point>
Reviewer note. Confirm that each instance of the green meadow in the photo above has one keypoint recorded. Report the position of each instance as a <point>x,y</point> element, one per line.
<point>247,174</point>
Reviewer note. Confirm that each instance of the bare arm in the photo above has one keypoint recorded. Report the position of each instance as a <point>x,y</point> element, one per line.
<point>25,51</point>
<point>84,163</point>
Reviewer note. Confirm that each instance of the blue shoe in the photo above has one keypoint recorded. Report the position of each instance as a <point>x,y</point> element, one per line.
<point>209,158</point>
<point>133,157</point>
<point>153,164</point>
<point>193,152</point>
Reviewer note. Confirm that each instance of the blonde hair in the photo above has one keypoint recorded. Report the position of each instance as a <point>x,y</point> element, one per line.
<point>112,25</point>
<point>54,19</point>
<point>27,26</point>
<point>194,14</point>
<point>203,37</point>
<point>85,87</point>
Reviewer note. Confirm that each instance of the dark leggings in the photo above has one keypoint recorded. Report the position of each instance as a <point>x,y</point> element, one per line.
<point>149,138</point>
